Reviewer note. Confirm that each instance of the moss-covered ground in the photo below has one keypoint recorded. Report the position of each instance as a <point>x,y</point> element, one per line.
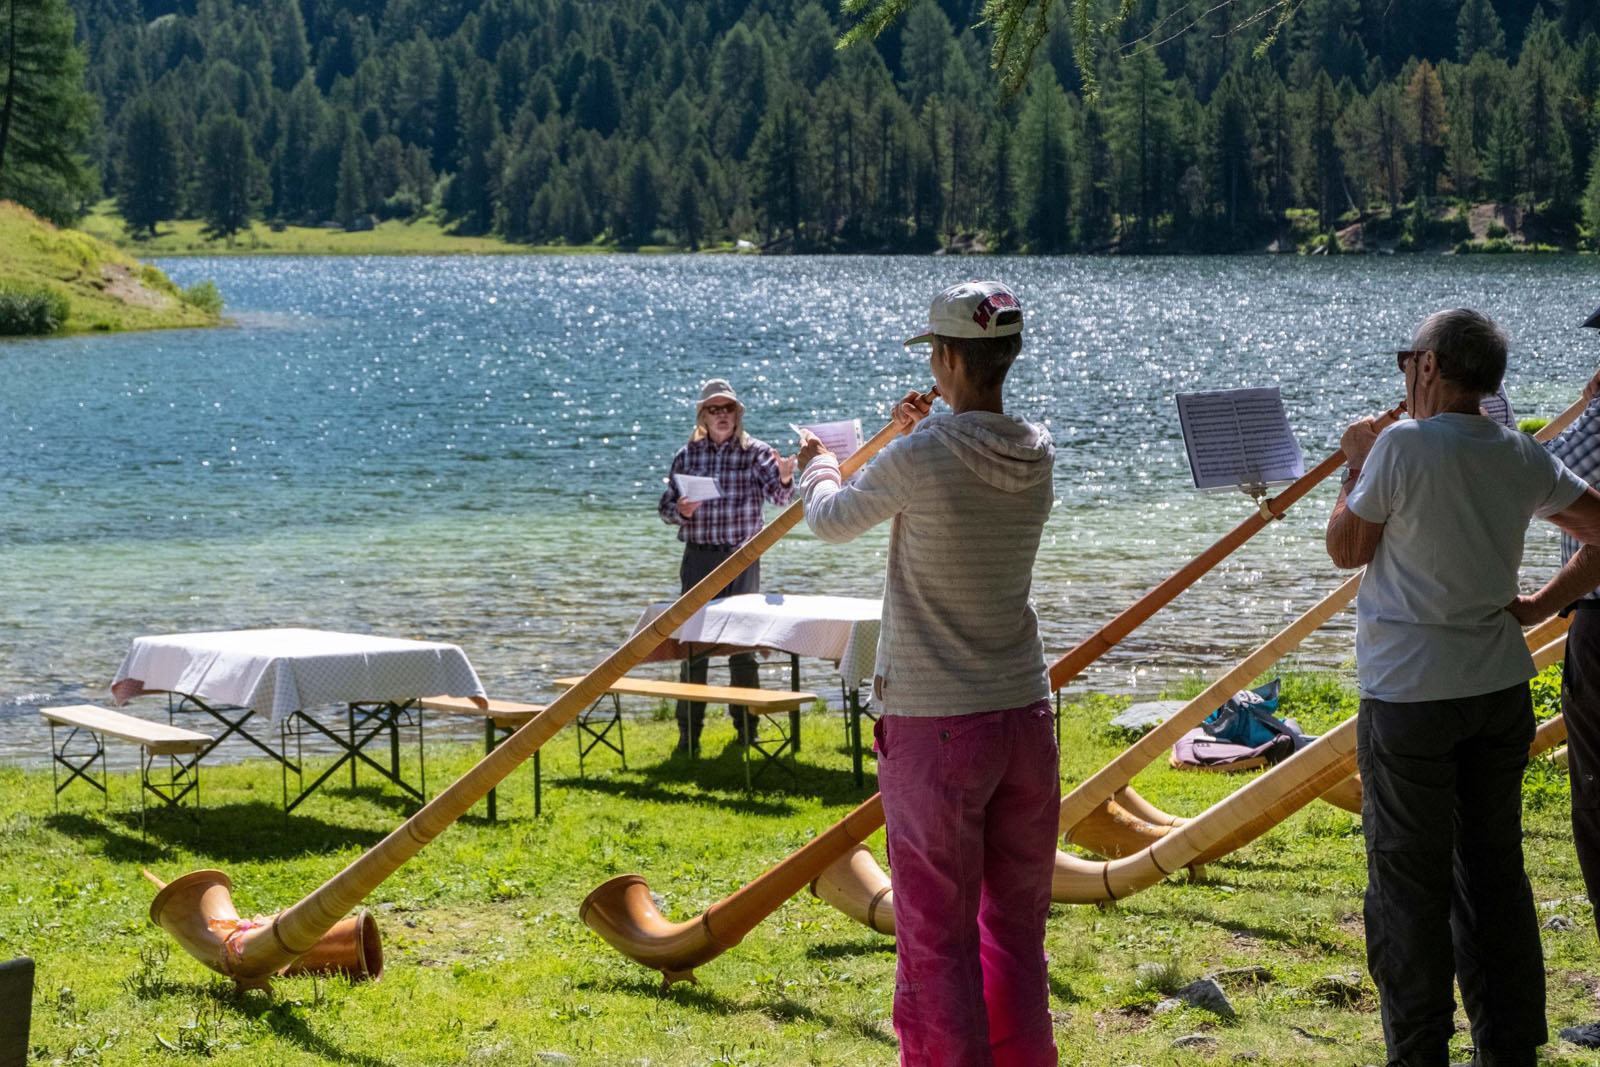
<point>487,963</point>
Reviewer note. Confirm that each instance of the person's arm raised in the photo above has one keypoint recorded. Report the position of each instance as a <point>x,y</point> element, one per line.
<point>1351,540</point>
<point>1580,575</point>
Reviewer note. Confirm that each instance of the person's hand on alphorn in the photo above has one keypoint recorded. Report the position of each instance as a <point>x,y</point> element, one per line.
<point>1358,440</point>
<point>811,447</point>
<point>912,409</point>
<point>1591,388</point>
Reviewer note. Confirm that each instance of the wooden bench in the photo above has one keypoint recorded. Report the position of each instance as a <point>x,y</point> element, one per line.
<point>183,748</point>
<point>765,702</point>
<point>500,719</point>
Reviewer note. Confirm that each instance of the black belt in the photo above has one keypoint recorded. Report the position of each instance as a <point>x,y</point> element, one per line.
<point>1586,604</point>
<point>710,548</point>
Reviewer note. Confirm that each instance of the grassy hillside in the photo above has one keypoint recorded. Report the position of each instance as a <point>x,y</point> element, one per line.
<point>105,288</point>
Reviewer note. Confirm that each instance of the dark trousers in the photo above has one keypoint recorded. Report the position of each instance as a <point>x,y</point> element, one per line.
<point>699,561</point>
<point>1441,811</point>
<point>1580,707</point>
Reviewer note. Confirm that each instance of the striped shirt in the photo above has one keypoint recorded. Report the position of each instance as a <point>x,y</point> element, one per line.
<point>745,477</point>
<point>1579,449</point>
<point>966,498</point>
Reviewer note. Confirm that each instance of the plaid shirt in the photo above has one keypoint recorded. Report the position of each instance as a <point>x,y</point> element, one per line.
<point>1579,449</point>
<point>745,477</point>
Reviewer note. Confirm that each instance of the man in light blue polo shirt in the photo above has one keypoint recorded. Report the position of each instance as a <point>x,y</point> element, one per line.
<point>1437,508</point>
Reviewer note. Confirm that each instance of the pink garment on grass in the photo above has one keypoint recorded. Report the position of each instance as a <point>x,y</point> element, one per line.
<point>971,804</point>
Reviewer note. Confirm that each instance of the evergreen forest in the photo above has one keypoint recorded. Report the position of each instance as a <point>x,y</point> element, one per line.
<point>695,123</point>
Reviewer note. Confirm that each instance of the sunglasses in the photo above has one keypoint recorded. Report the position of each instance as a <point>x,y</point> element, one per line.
<point>720,409</point>
<point>1407,354</point>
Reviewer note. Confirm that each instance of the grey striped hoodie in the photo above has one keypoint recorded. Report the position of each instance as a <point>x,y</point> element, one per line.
<point>968,496</point>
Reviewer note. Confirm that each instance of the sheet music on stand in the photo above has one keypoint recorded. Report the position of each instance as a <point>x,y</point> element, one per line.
<point>1239,439</point>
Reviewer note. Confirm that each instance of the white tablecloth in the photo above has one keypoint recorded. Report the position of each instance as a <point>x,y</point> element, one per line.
<point>277,672</point>
<point>839,628</point>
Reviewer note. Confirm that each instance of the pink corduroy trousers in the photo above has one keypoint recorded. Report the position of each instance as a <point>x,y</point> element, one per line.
<point>971,803</point>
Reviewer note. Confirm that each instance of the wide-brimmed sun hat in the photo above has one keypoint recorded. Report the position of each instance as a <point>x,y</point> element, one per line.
<point>718,389</point>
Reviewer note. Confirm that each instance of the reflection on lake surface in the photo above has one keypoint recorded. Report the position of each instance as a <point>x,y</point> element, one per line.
<point>472,449</point>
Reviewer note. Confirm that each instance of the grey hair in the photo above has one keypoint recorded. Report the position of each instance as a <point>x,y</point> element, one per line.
<point>1470,348</point>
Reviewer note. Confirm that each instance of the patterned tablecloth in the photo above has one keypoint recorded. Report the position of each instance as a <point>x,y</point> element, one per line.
<point>839,628</point>
<point>278,672</point>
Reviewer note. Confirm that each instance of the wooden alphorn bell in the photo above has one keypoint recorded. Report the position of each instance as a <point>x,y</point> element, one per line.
<point>622,912</point>
<point>197,908</point>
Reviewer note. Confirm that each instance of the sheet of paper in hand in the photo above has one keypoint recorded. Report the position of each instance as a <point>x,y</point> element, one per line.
<point>694,488</point>
<point>842,437</point>
<point>1239,439</point>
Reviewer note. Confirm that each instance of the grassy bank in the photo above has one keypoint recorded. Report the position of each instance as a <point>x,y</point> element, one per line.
<point>97,286</point>
<point>394,237</point>
<point>488,964</point>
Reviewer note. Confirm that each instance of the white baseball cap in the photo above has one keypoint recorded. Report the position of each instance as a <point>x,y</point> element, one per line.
<point>971,309</point>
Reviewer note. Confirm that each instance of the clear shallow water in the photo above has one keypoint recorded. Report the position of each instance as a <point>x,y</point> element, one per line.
<point>471,449</point>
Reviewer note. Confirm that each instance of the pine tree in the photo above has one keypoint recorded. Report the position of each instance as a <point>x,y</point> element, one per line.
<point>45,112</point>
<point>150,183</point>
<point>644,197</point>
<point>233,180</point>
<point>1427,125</point>
<point>1478,30</point>
<point>1591,205</point>
<point>352,196</point>
<point>1045,177</point>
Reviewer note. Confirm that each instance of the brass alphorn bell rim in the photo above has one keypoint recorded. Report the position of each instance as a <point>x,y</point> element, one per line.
<point>253,954</point>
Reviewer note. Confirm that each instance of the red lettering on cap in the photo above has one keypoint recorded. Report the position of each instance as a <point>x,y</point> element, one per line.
<point>992,303</point>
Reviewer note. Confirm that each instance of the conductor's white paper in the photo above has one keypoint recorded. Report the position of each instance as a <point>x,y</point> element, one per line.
<point>694,488</point>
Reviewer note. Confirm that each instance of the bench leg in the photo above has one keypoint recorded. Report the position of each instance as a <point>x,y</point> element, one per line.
<point>489,741</point>
<point>81,766</point>
<point>854,702</point>
<point>770,752</point>
<point>585,723</point>
<point>794,687</point>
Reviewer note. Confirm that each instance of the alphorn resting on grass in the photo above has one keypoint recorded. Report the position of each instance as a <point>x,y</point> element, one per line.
<point>197,908</point>
<point>622,913</point>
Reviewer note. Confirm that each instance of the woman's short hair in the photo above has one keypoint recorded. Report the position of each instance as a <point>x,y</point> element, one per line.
<point>1470,348</point>
<point>987,359</point>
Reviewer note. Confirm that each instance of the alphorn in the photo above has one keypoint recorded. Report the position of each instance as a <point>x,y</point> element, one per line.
<point>1347,794</point>
<point>1124,822</point>
<point>197,908</point>
<point>1127,822</point>
<point>622,912</point>
<point>1103,640</point>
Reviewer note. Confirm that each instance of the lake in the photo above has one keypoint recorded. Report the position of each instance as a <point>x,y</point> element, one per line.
<point>471,449</point>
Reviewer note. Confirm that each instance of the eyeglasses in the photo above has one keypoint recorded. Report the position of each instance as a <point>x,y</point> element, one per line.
<point>1406,354</point>
<point>720,409</point>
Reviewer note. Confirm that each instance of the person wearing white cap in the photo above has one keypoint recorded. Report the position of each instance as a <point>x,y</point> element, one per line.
<point>748,472</point>
<point>967,760</point>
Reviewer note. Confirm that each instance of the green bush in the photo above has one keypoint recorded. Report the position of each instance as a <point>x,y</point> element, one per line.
<point>205,296</point>
<point>31,310</point>
<point>1496,230</point>
<point>1531,425</point>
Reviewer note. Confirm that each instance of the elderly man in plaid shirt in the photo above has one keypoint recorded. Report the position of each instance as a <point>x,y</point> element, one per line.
<point>748,472</point>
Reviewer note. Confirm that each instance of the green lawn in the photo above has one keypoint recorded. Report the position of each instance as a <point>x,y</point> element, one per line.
<point>395,237</point>
<point>487,963</point>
